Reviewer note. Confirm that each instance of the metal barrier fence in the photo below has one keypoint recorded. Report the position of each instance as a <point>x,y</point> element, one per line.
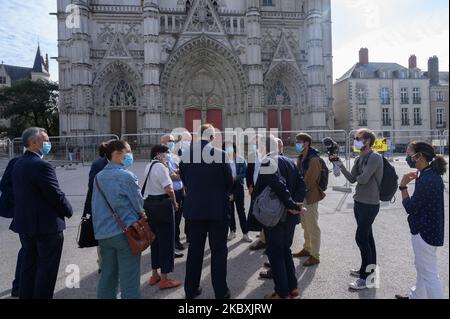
<point>397,143</point>
<point>70,149</point>
<point>141,144</point>
<point>5,148</point>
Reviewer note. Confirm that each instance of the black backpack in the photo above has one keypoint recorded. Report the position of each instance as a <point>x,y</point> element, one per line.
<point>324,174</point>
<point>389,182</point>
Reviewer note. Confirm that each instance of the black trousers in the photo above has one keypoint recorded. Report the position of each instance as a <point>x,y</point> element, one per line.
<point>40,264</point>
<point>217,232</point>
<point>279,241</point>
<point>16,282</point>
<point>179,214</point>
<point>238,201</point>
<point>163,248</point>
<point>365,215</point>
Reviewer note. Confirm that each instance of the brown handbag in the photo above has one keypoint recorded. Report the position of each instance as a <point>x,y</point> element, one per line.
<point>139,235</point>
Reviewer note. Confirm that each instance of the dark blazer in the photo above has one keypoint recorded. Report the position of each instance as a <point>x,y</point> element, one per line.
<point>6,197</point>
<point>250,169</point>
<point>39,204</point>
<point>96,167</point>
<point>289,193</point>
<point>207,184</point>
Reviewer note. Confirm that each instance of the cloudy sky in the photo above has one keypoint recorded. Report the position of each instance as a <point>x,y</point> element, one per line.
<point>391,29</point>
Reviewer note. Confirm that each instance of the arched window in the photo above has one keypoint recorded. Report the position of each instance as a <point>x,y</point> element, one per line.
<point>188,6</point>
<point>123,95</point>
<point>279,95</point>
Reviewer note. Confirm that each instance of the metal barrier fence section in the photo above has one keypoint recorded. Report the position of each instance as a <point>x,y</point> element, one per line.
<point>70,149</point>
<point>5,148</point>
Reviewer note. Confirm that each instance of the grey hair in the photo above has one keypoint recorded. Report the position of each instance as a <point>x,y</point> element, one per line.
<point>31,133</point>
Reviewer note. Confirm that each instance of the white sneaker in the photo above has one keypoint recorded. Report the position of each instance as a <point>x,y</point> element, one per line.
<point>247,238</point>
<point>232,235</point>
<point>359,284</point>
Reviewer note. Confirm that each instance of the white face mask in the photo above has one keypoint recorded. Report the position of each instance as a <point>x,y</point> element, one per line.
<point>358,145</point>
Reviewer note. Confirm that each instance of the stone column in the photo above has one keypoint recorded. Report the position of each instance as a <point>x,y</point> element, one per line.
<point>81,120</point>
<point>255,70</point>
<point>152,56</point>
<point>317,97</point>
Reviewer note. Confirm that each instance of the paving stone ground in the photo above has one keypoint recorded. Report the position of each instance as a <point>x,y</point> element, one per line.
<point>327,280</point>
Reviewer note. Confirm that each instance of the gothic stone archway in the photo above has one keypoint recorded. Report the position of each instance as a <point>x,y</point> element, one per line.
<point>204,80</point>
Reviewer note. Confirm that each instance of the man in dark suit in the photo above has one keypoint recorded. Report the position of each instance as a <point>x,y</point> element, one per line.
<point>283,177</point>
<point>7,211</point>
<point>39,211</point>
<point>207,177</point>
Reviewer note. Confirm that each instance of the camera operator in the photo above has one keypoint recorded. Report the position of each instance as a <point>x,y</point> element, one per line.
<point>309,165</point>
<point>367,172</point>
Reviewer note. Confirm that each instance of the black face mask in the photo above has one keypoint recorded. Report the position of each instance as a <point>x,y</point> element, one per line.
<point>412,163</point>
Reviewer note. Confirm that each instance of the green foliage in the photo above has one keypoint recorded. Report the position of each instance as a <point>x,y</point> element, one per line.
<point>31,103</point>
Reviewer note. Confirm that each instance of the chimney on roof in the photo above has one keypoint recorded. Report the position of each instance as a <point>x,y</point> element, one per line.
<point>433,70</point>
<point>412,62</point>
<point>364,56</point>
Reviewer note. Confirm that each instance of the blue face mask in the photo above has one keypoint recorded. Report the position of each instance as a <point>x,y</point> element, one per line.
<point>299,147</point>
<point>229,150</point>
<point>128,160</point>
<point>167,157</point>
<point>46,148</point>
<point>171,146</point>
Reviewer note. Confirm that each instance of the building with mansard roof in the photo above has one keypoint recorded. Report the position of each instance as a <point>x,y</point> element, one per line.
<point>135,66</point>
<point>11,73</point>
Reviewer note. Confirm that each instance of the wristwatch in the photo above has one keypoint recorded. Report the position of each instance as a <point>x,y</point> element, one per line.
<point>402,188</point>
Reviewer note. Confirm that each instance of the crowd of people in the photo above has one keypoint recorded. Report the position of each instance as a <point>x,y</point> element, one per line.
<point>180,181</point>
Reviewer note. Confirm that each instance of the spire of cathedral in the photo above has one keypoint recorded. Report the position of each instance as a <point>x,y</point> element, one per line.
<point>39,63</point>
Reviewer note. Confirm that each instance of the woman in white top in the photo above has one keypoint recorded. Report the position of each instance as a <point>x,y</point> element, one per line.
<point>159,187</point>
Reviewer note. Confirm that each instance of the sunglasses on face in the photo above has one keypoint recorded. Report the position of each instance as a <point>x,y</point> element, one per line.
<point>358,139</point>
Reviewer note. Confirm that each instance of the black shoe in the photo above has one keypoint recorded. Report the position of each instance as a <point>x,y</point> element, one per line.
<point>258,246</point>
<point>266,274</point>
<point>179,246</point>
<point>267,265</point>
<point>15,294</point>
<point>227,295</point>
<point>401,297</point>
<point>178,255</point>
<point>197,293</point>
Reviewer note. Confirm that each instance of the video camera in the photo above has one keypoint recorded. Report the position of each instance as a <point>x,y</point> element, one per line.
<point>332,149</point>
<point>331,145</point>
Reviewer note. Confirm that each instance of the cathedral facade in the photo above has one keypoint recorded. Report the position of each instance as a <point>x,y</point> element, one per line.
<point>133,66</point>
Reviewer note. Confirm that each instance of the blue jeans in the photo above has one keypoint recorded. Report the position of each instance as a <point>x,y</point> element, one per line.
<point>279,241</point>
<point>118,265</point>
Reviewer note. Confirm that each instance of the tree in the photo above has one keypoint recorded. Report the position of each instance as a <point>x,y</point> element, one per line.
<point>31,103</point>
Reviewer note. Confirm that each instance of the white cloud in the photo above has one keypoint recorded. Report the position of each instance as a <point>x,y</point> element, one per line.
<point>24,23</point>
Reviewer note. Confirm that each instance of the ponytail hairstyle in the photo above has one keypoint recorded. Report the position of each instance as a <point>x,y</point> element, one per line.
<point>437,162</point>
<point>102,149</point>
<point>115,145</point>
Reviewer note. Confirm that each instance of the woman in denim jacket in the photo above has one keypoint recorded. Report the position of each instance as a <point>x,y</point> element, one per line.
<point>123,193</point>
